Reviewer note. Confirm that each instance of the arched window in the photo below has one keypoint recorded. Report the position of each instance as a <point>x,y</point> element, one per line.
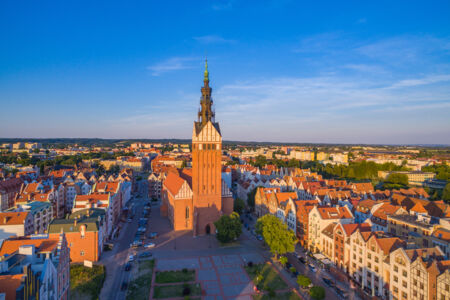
<point>187,212</point>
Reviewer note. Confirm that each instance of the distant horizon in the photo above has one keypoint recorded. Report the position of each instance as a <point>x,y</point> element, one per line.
<point>374,73</point>
<point>225,141</point>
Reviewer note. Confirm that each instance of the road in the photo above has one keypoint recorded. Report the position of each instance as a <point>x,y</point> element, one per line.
<point>116,259</point>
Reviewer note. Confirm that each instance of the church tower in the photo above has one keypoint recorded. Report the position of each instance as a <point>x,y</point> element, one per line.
<point>206,164</point>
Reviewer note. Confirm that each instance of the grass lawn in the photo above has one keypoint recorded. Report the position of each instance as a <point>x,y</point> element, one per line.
<point>230,244</point>
<point>269,278</point>
<point>170,291</point>
<point>280,296</point>
<point>139,288</point>
<point>86,281</point>
<point>146,264</point>
<point>175,276</point>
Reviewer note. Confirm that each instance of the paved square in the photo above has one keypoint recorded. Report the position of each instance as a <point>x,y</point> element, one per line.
<point>221,276</point>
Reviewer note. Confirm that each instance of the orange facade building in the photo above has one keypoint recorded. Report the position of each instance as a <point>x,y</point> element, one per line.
<point>195,199</point>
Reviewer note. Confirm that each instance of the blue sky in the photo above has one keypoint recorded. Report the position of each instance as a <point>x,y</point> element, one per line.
<point>284,71</point>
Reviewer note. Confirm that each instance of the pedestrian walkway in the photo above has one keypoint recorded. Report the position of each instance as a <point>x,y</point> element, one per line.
<point>221,276</point>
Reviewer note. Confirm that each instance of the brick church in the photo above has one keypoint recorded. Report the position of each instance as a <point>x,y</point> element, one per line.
<point>193,199</point>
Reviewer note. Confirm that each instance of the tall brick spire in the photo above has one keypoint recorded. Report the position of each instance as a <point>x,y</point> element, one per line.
<point>205,114</point>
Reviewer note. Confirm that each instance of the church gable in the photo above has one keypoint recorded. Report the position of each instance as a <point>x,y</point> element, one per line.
<point>184,192</point>
<point>210,132</point>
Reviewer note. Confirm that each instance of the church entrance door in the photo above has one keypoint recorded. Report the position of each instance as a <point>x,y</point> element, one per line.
<point>208,229</point>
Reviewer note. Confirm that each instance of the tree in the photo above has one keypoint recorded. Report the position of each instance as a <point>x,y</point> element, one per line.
<point>276,234</point>
<point>239,206</point>
<point>114,169</point>
<point>397,178</point>
<point>317,292</point>
<point>446,193</point>
<point>183,164</point>
<point>303,281</point>
<point>229,227</point>
<point>283,260</point>
<point>251,198</point>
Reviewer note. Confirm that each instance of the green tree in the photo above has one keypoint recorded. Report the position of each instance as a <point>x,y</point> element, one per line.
<point>293,163</point>
<point>397,178</point>
<point>303,281</point>
<point>251,198</point>
<point>317,292</point>
<point>114,169</point>
<point>283,260</point>
<point>446,193</point>
<point>276,234</point>
<point>229,227</point>
<point>239,206</point>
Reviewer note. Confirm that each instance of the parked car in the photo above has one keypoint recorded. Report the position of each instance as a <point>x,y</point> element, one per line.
<point>145,254</point>
<point>312,268</point>
<point>302,260</point>
<point>127,267</point>
<point>149,245</point>
<point>136,244</point>
<point>153,235</point>
<point>260,238</point>
<point>131,258</point>
<point>341,292</point>
<point>328,282</point>
<point>124,286</point>
<point>130,220</point>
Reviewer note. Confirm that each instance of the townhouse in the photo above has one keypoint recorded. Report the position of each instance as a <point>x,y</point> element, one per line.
<point>35,267</point>
<point>85,231</point>
<point>16,224</point>
<point>319,218</point>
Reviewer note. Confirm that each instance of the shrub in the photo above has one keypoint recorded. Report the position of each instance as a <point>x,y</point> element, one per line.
<point>317,292</point>
<point>292,269</point>
<point>250,264</point>
<point>283,260</point>
<point>184,270</point>
<point>303,281</point>
<point>271,292</point>
<point>186,289</point>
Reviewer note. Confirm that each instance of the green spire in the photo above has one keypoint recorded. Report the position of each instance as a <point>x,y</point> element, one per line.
<point>206,70</point>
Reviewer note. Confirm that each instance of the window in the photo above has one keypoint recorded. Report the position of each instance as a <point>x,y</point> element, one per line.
<point>187,212</point>
<point>404,284</point>
<point>447,287</point>
<point>376,259</point>
<point>82,253</point>
<point>395,279</point>
<point>369,256</point>
<point>404,295</point>
<point>395,269</point>
<point>405,274</point>
<point>418,273</point>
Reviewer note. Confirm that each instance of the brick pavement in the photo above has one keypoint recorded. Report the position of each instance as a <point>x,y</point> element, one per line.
<point>221,277</point>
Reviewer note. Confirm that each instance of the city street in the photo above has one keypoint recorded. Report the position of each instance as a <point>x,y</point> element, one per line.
<point>116,259</point>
